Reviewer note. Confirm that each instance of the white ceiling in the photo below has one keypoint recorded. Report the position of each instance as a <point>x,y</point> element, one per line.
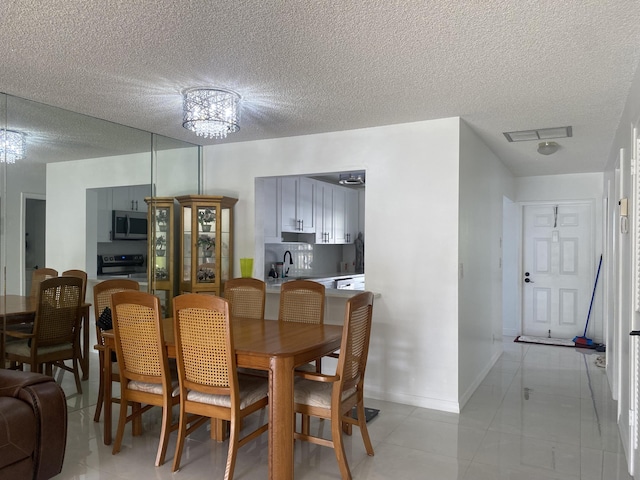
<point>315,66</point>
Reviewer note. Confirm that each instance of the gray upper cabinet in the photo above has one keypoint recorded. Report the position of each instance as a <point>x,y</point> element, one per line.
<point>297,197</point>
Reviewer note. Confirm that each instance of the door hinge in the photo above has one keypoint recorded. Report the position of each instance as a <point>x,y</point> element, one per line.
<point>632,418</point>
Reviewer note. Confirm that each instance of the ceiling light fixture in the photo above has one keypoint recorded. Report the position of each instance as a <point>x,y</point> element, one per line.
<point>547,148</point>
<point>12,146</point>
<point>211,112</point>
<point>351,179</point>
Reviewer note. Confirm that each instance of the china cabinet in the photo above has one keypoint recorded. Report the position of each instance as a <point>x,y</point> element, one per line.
<point>161,273</point>
<point>206,242</point>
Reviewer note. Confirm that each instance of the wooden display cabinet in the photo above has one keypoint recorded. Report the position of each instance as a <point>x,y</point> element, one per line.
<point>161,274</point>
<point>206,242</point>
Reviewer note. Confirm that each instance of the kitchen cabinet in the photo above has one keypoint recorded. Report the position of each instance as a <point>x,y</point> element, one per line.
<point>206,242</point>
<point>161,274</point>
<point>336,214</point>
<point>297,203</point>
<point>131,197</point>
<point>270,214</point>
<point>105,207</point>
<point>351,215</point>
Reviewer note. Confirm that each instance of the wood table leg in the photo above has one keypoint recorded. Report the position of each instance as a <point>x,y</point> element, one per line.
<point>281,417</point>
<point>84,361</point>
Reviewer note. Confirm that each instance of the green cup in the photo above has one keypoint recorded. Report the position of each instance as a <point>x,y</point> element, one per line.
<point>246,267</point>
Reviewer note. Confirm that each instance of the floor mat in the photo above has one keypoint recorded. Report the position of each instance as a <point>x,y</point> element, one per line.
<point>561,342</point>
<point>369,413</point>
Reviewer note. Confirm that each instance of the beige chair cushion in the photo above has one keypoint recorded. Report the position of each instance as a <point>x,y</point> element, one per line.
<point>317,394</point>
<point>155,388</point>
<point>22,348</point>
<point>251,388</point>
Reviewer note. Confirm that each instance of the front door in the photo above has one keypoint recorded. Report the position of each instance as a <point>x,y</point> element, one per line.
<point>558,269</point>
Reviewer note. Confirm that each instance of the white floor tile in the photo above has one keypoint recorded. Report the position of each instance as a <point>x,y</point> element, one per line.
<point>541,413</point>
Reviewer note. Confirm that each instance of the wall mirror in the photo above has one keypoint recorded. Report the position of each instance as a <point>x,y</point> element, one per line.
<point>68,158</point>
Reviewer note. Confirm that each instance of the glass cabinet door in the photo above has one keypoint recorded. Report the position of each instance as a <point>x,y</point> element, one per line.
<point>207,230</point>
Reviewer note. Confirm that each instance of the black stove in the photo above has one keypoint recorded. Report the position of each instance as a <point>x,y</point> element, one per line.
<point>120,264</point>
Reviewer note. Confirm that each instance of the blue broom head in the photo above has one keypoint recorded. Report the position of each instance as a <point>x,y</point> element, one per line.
<point>582,341</point>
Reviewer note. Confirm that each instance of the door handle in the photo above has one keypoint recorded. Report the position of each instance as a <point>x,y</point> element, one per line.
<point>528,280</point>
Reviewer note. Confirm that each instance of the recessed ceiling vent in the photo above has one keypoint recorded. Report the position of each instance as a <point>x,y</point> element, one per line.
<point>351,179</point>
<point>539,134</point>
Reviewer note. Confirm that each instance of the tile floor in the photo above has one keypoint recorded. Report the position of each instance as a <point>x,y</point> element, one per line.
<point>541,413</point>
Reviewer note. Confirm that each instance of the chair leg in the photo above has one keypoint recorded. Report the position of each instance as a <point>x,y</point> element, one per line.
<point>164,434</point>
<point>182,433</point>
<point>122,420</point>
<point>234,437</point>
<point>96,416</point>
<point>338,448</point>
<point>76,374</point>
<point>362,423</point>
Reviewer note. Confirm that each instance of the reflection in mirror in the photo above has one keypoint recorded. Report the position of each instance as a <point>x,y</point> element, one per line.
<point>83,168</point>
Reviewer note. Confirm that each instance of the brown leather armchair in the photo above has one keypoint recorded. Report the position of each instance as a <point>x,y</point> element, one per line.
<point>33,425</point>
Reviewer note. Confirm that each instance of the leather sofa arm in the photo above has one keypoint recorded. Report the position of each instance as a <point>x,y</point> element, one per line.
<point>49,406</point>
<point>12,381</point>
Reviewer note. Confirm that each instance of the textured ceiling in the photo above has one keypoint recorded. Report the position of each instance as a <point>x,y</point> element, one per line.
<point>316,66</point>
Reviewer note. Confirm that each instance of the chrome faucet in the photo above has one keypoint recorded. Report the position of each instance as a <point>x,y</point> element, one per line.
<point>285,270</point>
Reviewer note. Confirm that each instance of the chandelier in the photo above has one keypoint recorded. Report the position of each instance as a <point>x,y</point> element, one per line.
<point>211,112</point>
<point>12,146</point>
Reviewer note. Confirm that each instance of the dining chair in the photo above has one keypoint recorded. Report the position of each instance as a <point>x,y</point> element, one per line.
<point>54,337</point>
<point>38,275</point>
<point>210,386</point>
<point>302,301</point>
<point>334,396</point>
<point>101,300</point>
<point>143,363</point>
<point>246,297</point>
<point>83,276</point>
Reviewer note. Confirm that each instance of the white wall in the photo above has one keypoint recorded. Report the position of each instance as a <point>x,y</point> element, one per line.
<point>484,181</point>
<point>620,314</point>
<point>411,233</point>
<point>583,187</point>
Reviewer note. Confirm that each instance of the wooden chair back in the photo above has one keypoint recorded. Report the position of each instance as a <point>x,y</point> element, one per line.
<point>57,319</point>
<point>40,274</point>
<point>139,338</point>
<point>302,301</point>
<point>79,274</point>
<point>354,348</point>
<point>204,344</point>
<point>102,297</point>
<point>246,297</point>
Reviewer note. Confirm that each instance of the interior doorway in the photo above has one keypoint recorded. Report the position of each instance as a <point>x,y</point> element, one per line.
<point>34,237</point>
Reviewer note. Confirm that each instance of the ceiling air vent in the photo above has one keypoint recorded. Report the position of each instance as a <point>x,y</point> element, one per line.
<point>539,134</point>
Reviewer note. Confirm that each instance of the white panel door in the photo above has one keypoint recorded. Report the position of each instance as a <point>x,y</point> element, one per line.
<point>557,270</point>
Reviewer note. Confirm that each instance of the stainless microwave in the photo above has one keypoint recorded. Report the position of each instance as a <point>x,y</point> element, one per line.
<point>129,225</point>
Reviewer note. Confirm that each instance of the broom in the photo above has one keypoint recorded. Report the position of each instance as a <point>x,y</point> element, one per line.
<point>583,341</point>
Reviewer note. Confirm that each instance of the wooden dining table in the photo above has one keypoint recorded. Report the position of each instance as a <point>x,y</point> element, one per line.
<point>19,309</point>
<point>269,345</point>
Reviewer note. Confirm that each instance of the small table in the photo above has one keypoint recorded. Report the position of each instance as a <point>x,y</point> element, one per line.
<point>17,309</point>
<point>277,347</point>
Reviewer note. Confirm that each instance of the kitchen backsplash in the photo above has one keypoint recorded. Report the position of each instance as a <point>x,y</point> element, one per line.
<point>310,260</point>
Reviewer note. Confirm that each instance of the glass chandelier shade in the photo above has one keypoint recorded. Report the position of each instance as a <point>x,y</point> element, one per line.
<point>211,112</point>
<point>12,146</point>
